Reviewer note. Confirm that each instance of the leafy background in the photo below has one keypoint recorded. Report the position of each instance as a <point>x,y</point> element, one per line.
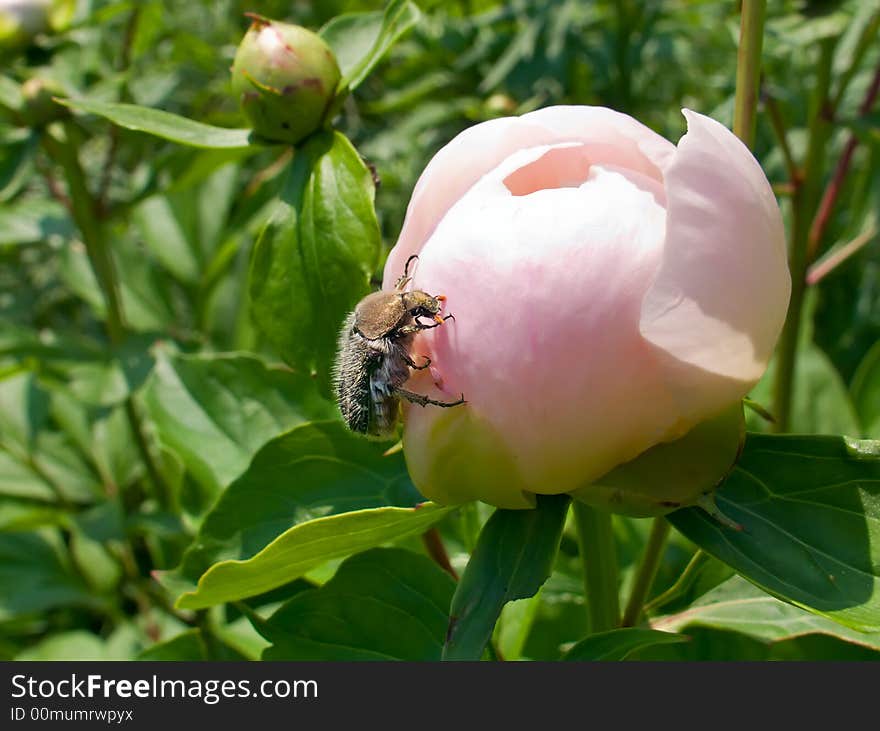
<point>186,449</point>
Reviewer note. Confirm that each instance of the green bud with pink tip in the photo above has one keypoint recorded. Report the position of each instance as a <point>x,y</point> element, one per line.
<point>39,107</point>
<point>22,20</point>
<point>286,79</point>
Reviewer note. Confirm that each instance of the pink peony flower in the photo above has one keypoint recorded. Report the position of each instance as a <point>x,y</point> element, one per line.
<point>610,290</point>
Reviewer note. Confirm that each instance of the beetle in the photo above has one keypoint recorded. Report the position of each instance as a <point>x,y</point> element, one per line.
<point>373,358</point>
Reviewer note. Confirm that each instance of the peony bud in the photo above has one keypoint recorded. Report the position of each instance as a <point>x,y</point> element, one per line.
<point>39,108</point>
<point>611,292</point>
<point>286,78</point>
<point>22,20</point>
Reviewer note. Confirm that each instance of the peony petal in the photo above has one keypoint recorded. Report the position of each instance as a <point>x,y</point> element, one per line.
<point>612,138</point>
<point>547,333</point>
<point>635,146</point>
<point>720,298</point>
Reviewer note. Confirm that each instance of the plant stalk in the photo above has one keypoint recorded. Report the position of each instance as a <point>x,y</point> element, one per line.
<point>84,208</point>
<point>835,185</point>
<point>748,69</point>
<point>804,202</point>
<point>646,573</point>
<point>599,559</point>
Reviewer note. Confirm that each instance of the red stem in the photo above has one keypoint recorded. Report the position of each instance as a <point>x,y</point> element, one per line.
<point>832,191</point>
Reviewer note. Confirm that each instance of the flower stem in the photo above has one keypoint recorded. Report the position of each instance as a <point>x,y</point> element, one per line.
<point>60,146</point>
<point>599,559</point>
<point>779,128</point>
<point>804,202</point>
<point>835,185</point>
<point>822,268</point>
<point>646,573</point>
<point>748,69</point>
<point>85,214</point>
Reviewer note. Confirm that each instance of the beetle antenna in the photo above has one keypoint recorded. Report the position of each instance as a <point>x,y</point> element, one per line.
<point>405,278</point>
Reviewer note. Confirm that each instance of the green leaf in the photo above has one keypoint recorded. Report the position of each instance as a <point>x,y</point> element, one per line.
<point>37,463</point>
<point>16,163</point>
<point>314,259</point>
<point>305,546</point>
<point>104,435</point>
<point>702,574</point>
<point>384,604</point>
<point>24,412</point>
<point>810,511</point>
<point>76,645</point>
<point>514,625</point>
<point>738,606</point>
<point>216,411</point>
<point>191,645</point>
<point>182,228</point>
<point>35,575</point>
<point>360,40</point>
<point>10,94</point>
<point>513,558</point>
<point>187,646</point>
<point>112,378</point>
<point>618,644</point>
<point>314,470</point>
<point>866,392</point>
<point>146,296</point>
<point>32,221</point>
<point>168,126</point>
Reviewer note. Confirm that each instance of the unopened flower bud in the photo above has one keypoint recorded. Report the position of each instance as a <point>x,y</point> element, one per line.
<point>39,108</point>
<point>22,20</point>
<point>286,78</point>
<point>615,296</point>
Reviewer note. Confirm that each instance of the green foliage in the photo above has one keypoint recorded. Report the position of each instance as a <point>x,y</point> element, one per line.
<point>742,607</point>
<point>168,126</point>
<point>808,511</point>
<point>305,546</point>
<point>512,559</point>
<point>618,644</point>
<point>217,411</point>
<point>336,472</point>
<point>361,40</point>
<point>348,617</point>
<point>313,261</point>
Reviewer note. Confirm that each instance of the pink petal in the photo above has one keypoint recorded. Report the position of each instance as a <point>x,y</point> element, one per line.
<point>546,289</point>
<point>612,138</point>
<point>720,298</point>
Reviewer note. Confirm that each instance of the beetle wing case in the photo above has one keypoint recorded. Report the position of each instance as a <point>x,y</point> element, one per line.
<point>378,314</point>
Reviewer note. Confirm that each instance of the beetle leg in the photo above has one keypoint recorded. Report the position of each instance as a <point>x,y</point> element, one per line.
<point>438,322</point>
<point>412,364</point>
<point>417,398</point>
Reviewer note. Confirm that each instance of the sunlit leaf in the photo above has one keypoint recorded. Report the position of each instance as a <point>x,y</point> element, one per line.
<point>162,124</point>
<point>305,546</point>
<point>216,411</point>
<point>809,508</point>
<point>360,40</point>
<point>742,607</point>
<point>314,259</point>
